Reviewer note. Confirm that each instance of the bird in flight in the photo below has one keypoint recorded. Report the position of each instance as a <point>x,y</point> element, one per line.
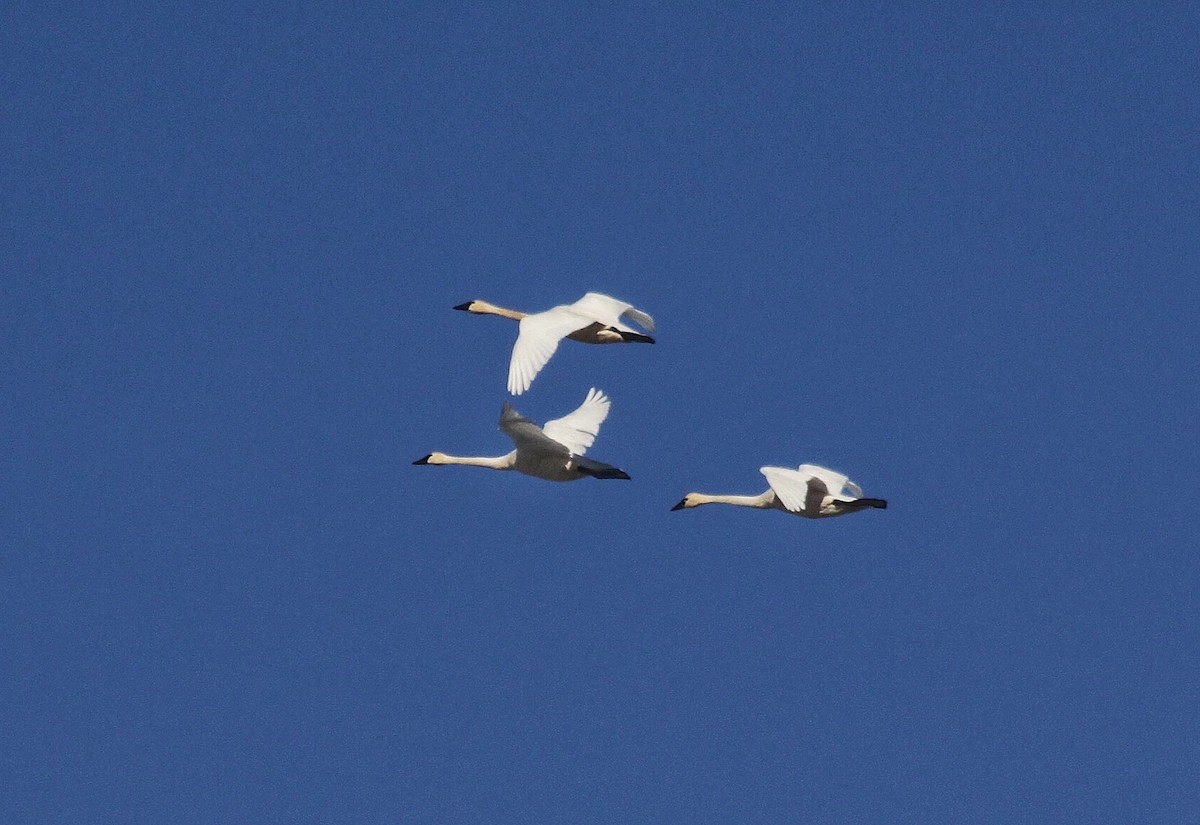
<point>810,491</point>
<point>554,451</point>
<point>593,319</point>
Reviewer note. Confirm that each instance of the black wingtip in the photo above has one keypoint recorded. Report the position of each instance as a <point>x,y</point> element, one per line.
<point>877,503</point>
<point>424,459</point>
<point>635,338</point>
<point>465,307</point>
<point>682,503</point>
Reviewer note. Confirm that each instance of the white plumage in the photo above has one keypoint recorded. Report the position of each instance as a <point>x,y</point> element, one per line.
<point>810,491</point>
<point>554,451</point>
<point>593,319</point>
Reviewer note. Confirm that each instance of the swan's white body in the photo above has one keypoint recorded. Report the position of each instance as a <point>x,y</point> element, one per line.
<point>810,491</point>
<point>553,451</point>
<point>593,319</point>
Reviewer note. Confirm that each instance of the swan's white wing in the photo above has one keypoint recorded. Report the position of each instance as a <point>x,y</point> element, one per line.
<point>793,487</point>
<point>835,482</point>
<point>638,317</point>
<point>578,429</point>
<point>536,342</point>
<point>609,311</point>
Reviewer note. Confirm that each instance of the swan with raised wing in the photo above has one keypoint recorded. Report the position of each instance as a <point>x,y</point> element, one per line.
<point>554,451</point>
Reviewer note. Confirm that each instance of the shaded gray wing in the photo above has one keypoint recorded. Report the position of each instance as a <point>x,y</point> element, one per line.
<point>527,435</point>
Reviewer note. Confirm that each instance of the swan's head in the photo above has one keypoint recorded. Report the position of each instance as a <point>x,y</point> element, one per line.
<point>432,458</point>
<point>690,500</point>
<point>470,306</point>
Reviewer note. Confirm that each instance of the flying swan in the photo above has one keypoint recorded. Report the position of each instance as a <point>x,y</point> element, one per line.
<point>553,451</point>
<point>810,491</point>
<point>593,319</point>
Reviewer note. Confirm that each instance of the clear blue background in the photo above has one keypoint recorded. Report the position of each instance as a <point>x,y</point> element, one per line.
<point>951,251</point>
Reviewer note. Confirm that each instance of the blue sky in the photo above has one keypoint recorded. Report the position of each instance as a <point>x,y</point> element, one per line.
<point>951,252</point>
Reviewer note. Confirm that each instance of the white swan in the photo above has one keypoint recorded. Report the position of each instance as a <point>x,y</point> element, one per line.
<point>810,491</point>
<point>593,319</point>
<point>553,451</point>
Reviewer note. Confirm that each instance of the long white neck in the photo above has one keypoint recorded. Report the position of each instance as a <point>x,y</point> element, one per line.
<point>503,462</point>
<point>484,308</point>
<point>760,501</point>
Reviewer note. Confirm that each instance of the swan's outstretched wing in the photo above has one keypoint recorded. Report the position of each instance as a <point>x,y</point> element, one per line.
<point>610,311</point>
<point>540,332</point>
<point>536,342</point>
<point>799,492</point>
<point>837,484</point>
<point>578,429</point>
